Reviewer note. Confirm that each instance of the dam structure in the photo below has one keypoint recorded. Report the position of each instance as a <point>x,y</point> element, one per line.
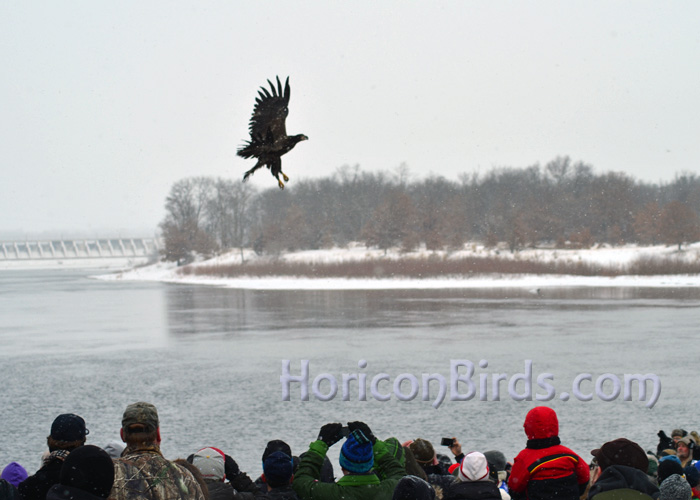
<point>99,248</point>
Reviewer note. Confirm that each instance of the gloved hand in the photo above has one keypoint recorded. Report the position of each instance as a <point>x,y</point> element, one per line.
<point>331,433</point>
<point>361,426</point>
<point>665,442</point>
<point>231,468</point>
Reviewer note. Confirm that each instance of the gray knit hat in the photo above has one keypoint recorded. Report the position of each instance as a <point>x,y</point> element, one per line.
<point>675,487</point>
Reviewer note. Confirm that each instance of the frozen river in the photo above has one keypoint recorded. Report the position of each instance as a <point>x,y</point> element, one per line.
<point>211,359</point>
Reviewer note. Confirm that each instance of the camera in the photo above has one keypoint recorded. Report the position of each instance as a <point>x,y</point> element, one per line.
<point>447,442</point>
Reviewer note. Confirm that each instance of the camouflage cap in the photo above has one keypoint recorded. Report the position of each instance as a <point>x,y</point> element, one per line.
<point>140,413</point>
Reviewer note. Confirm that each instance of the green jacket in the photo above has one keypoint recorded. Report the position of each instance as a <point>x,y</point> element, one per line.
<point>351,486</point>
<point>622,494</point>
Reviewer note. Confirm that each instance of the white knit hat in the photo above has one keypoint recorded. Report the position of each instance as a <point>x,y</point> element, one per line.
<point>474,467</point>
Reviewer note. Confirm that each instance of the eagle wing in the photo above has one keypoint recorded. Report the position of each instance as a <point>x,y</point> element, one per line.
<point>270,112</point>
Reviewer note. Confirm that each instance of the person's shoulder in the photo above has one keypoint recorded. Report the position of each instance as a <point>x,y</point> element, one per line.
<point>560,449</point>
<point>183,470</point>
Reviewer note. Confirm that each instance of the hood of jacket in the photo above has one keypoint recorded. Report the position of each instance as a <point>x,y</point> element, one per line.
<point>14,474</point>
<point>541,423</point>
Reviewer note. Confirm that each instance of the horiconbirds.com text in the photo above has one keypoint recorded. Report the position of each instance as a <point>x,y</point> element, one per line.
<point>464,383</point>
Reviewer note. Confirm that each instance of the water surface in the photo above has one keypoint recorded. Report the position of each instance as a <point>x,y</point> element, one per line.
<point>210,359</point>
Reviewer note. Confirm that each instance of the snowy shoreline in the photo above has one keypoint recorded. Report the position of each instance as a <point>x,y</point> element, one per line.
<point>613,256</point>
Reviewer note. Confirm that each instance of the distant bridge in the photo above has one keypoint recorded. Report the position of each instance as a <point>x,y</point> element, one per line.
<point>104,248</point>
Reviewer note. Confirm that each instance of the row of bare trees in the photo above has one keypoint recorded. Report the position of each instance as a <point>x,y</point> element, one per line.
<point>563,203</point>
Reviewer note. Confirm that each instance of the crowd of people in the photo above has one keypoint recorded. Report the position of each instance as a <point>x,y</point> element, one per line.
<point>369,468</point>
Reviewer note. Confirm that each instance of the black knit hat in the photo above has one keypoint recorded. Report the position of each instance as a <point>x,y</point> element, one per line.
<point>277,468</point>
<point>667,468</point>
<point>413,488</point>
<point>276,445</point>
<point>68,427</point>
<point>90,469</point>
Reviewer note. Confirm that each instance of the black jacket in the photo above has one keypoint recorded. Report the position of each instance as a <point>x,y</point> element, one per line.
<point>283,493</point>
<point>37,486</point>
<point>472,490</point>
<point>218,490</point>
<point>62,492</point>
<point>8,491</point>
<point>619,477</point>
<point>438,475</point>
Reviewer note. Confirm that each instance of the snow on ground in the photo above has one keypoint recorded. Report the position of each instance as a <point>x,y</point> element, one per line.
<point>610,256</point>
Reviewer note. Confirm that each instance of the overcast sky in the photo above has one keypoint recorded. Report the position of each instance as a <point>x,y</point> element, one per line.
<point>104,105</point>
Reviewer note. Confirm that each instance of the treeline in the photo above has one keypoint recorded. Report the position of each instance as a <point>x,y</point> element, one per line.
<point>563,203</point>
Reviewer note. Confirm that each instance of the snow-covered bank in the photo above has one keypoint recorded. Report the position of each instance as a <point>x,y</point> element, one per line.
<point>608,256</point>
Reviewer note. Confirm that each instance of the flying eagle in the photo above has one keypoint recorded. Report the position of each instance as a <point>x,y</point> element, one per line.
<point>268,135</point>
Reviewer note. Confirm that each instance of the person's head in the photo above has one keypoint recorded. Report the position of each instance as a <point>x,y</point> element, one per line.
<point>140,424</point>
<point>90,469</point>
<point>278,468</point>
<point>498,462</point>
<point>675,487</point>
<point>423,452</point>
<point>668,467</point>
<point>413,468</point>
<point>541,423</point>
<point>67,432</point>
<point>683,447</point>
<point>474,467</point>
<point>692,475</point>
<point>114,449</point>
<point>14,473</point>
<point>413,488</point>
<point>276,445</point>
<point>211,464</point>
<point>621,451</point>
<point>356,455</point>
<point>677,434</point>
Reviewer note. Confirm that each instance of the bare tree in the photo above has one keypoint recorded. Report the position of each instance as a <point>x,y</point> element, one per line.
<point>184,227</point>
<point>391,222</point>
<point>679,224</point>
<point>647,223</point>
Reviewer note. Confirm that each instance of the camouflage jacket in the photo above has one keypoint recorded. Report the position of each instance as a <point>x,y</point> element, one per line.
<point>143,473</point>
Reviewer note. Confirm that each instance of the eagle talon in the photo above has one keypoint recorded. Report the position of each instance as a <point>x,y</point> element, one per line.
<point>280,184</point>
<point>286,179</point>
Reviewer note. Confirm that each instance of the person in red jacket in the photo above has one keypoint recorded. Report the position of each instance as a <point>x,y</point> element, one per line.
<point>545,469</point>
